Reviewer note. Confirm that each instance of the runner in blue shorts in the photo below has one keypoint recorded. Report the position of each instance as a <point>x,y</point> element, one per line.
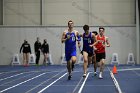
<point>69,37</point>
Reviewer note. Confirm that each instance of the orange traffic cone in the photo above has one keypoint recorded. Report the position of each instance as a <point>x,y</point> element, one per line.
<point>114,70</point>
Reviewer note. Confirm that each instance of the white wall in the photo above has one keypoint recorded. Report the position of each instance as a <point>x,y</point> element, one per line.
<point>58,12</point>
<point>21,12</point>
<point>112,12</point>
<point>122,39</point>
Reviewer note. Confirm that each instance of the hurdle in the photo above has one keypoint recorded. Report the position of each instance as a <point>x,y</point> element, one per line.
<point>15,60</point>
<point>130,59</point>
<point>115,59</point>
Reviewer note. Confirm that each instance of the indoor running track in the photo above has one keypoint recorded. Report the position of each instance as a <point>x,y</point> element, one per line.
<point>53,79</point>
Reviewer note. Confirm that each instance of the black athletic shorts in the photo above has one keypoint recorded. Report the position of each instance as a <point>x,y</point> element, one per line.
<point>100,56</point>
<point>90,53</point>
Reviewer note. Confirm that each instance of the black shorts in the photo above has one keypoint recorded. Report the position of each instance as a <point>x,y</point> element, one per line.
<point>100,56</point>
<point>90,53</point>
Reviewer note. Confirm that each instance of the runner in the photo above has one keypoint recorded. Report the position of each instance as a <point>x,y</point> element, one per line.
<point>69,37</point>
<point>102,42</point>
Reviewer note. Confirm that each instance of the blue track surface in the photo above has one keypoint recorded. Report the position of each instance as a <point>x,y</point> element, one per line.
<point>53,79</point>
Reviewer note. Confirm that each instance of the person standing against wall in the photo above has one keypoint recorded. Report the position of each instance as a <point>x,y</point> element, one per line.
<point>37,48</point>
<point>26,49</point>
<point>102,42</point>
<point>45,50</point>
<point>69,37</point>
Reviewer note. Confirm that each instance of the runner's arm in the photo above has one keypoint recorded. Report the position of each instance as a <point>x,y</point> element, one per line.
<point>107,42</point>
<point>63,39</point>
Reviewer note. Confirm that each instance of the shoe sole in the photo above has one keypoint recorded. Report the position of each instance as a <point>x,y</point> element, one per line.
<point>100,78</point>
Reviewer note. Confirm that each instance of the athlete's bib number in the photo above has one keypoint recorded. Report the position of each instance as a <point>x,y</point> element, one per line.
<point>73,38</point>
<point>89,41</point>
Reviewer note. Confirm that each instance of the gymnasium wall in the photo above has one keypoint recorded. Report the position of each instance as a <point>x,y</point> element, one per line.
<point>58,12</point>
<point>122,39</point>
<point>1,12</point>
<point>47,19</point>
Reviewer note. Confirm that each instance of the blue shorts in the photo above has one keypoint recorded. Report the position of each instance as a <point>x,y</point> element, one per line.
<point>69,54</point>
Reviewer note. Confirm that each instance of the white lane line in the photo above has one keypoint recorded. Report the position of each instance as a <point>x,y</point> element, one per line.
<point>20,74</point>
<point>20,78</point>
<point>115,81</point>
<point>81,88</point>
<point>128,69</point>
<point>86,86</point>
<point>16,79</point>
<point>41,70</point>
<point>21,83</point>
<point>77,85</point>
<point>14,75</point>
<point>134,71</point>
<point>44,82</point>
<point>11,76</point>
<point>51,83</point>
